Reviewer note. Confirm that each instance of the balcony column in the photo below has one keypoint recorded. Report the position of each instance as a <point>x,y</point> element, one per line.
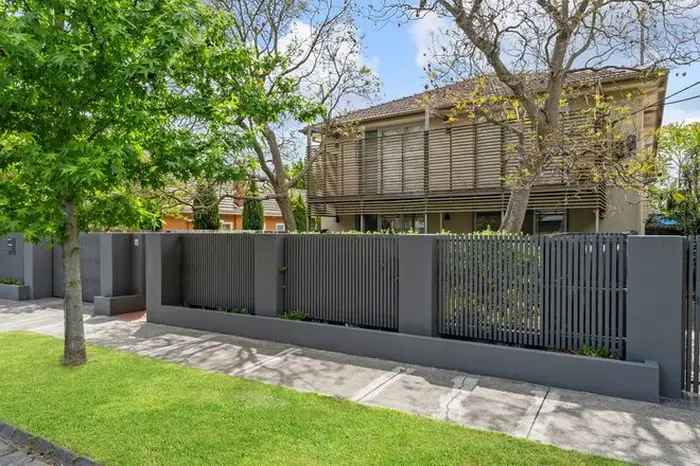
<point>597,220</point>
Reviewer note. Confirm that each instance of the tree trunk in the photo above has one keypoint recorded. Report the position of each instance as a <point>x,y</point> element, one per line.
<point>287,212</point>
<point>279,181</point>
<point>74,353</point>
<point>515,212</point>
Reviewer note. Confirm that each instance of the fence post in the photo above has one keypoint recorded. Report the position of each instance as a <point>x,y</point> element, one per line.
<point>154,271</point>
<point>38,269</point>
<point>417,281</point>
<point>106,264</point>
<point>656,268</point>
<point>269,261</point>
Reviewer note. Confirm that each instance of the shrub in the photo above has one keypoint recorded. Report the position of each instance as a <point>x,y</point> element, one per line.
<point>253,213</point>
<point>10,281</point>
<point>593,352</point>
<point>206,211</point>
<point>293,315</point>
<point>300,212</point>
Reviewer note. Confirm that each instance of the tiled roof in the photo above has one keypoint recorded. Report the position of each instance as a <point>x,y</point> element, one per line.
<point>447,95</point>
<point>230,206</point>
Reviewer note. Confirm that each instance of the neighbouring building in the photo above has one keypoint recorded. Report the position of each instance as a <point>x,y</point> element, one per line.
<point>231,215</point>
<point>407,166</point>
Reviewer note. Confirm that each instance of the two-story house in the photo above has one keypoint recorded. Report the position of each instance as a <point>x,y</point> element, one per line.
<point>408,166</point>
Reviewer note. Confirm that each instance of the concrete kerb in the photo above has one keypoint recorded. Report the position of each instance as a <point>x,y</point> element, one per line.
<point>42,447</point>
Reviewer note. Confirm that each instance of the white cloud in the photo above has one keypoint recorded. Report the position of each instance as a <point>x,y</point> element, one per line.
<point>429,32</point>
<point>674,114</point>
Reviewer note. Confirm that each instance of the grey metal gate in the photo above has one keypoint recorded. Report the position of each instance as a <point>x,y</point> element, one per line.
<point>344,279</point>
<point>691,319</point>
<point>563,293</point>
<point>218,271</point>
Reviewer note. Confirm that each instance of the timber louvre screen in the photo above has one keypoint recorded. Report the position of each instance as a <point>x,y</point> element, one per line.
<point>218,271</point>
<point>346,279</point>
<point>691,319</point>
<point>562,293</point>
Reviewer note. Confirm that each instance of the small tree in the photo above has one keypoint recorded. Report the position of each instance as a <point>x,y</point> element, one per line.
<point>94,100</point>
<point>253,211</point>
<point>323,48</point>
<point>206,209</point>
<point>301,215</point>
<point>677,195</point>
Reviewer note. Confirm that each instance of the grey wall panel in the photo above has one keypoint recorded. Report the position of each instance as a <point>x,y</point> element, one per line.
<point>611,377</point>
<point>89,267</point>
<point>58,285</point>
<point>12,256</point>
<point>655,319</point>
<point>171,263</point>
<point>121,264</point>
<point>138,264</point>
<point>38,269</point>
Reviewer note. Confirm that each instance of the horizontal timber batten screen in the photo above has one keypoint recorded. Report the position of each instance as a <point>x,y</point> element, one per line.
<point>218,271</point>
<point>691,324</point>
<point>560,293</point>
<point>348,279</point>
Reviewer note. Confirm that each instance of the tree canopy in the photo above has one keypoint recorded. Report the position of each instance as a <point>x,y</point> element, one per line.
<point>677,194</point>
<point>528,51</point>
<point>102,99</point>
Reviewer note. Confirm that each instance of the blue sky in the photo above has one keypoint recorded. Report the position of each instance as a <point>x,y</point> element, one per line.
<point>393,51</point>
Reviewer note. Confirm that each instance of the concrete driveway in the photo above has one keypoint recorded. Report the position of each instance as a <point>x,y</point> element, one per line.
<point>645,433</point>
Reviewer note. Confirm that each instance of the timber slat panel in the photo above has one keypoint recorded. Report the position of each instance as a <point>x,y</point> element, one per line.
<point>464,159</point>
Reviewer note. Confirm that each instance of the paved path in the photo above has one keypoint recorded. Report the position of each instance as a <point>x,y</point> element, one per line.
<point>644,433</point>
<point>12,455</point>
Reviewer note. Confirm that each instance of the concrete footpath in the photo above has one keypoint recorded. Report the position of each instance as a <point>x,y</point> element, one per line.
<point>644,433</point>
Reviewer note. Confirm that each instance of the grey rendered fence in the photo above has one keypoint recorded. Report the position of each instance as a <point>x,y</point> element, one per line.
<point>89,267</point>
<point>349,279</point>
<point>691,319</point>
<point>12,256</point>
<point>218,271</point>
<point>560,293</point>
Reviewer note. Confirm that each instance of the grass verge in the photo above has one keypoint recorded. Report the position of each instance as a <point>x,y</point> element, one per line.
<point>124,409</point>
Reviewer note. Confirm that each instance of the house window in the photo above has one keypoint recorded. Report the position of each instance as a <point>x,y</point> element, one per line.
<point>487,221</point>
<point>406,222</point>
<point>279,227</point>
<point>228,226</point>
<point>550,222</point>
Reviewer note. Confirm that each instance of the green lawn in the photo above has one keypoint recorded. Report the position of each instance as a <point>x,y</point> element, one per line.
<point>123,409</point>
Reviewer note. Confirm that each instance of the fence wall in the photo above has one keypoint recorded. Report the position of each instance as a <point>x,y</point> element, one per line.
<point>112,270</point>
<point>691,319</point>
<point>349,279</point>
<point>561,293</point>
<point>89,267</point>
<point>445,300</point>
<point>12,257</point>
<point>27,263</point>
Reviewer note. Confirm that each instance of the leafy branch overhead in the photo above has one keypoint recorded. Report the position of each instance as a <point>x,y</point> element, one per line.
<point>533,53</point>
<point>102,100</point>
<point>323,67</point>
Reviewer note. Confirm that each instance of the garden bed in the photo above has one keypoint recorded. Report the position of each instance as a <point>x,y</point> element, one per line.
<point>14,292</point>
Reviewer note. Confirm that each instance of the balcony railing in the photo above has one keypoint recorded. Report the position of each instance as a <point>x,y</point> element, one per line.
<point>464,158</point>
